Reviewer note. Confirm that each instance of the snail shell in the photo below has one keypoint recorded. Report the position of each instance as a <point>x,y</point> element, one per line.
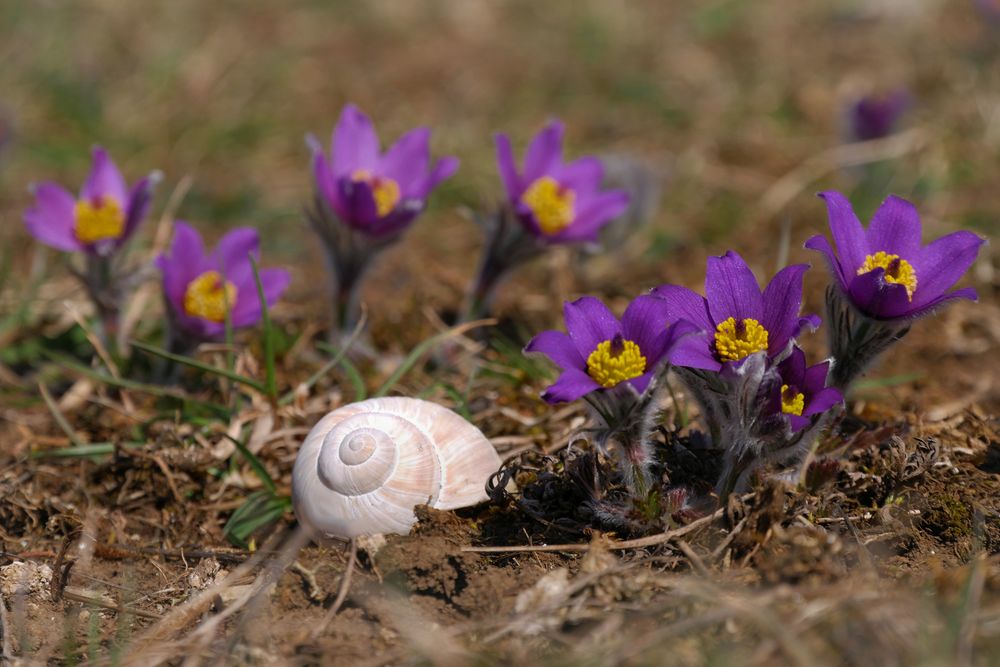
<point>364,467</point>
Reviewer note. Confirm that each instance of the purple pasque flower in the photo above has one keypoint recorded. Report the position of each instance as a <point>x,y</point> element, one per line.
<point>556,202</point>
<point>885,271</point>
<point>600,352</point>
<point>376,193</point>
<point>200,288</point>
<point>739,318</point>
<point>876,116</point>
<point>803,391</point>
<point>100,219</point>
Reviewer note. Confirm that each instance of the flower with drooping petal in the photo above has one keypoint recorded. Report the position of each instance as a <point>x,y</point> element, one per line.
<point>739,318</point>
<point>200,288</point>
<point>600,352</point>
<point>100,219</point>
<point>803,391</point>
<point>378,194</point>
<point>876,116</point>
<point>557,202</point>
<point>884,271</point>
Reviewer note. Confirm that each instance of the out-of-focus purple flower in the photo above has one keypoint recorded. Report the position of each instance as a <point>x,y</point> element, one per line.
<point>556,202</point>
<point>739,318</point>
<point>376,193</point>
<point>802,392</point>
<point>884,271</point>
<point>100,219</point>
<point>200,288</point>
<point>877,116</point>
<point>600,352</point>
<point>989,10</point>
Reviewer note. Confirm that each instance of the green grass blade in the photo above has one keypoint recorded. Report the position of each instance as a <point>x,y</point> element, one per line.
<point>260,509</point>
<point>271,381</point>
<point>865,386</point>
<point>58,416</point>
<point>83,451</point>
<point>352,372</point>
<point>258,467</point>
<point>340,357</point>
<point>194,363</point>
<point>132,385</point>
<point>420,350</point>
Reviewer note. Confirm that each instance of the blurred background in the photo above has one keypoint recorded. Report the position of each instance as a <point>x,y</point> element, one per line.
<point>742,110</point>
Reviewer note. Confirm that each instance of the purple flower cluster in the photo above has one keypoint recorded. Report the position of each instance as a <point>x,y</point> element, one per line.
<point>201,291</point>
<point>735,348</point>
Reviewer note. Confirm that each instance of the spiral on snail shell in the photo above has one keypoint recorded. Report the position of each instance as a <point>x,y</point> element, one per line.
<point>364,467</point>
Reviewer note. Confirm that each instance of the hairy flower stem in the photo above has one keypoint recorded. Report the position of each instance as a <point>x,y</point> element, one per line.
<point>625,423</point>
<point>104,290</point>
<point>505,247</point>
<point>855,340</point>
<point>349,255</point>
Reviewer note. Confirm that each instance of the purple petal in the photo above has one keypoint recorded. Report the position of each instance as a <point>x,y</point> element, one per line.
<point>589,323</point>
<point>593,215</point>
<point>793,368</point>
<point>798,423</point>
<point>326,184</point>
<point>686,304</point>
<point>642,382</point>
<point>571,385</point>
<point>929,307</point>
<point>820,243</point>
<point>443,169</point>
<point>694,352</point>
<point>877,298</point>
<point>398,220</point>
<point>731,289</point>
<point>52,219</point>
<point>139,200</point>
<point>355,144</point>
<point>895,229</point>
<point>507,167</point>
<point>848,234</point>
<point>544,153</point>
<point>231,255</point>
<point>185,262</point>
<point>942,263</point>
<point>358,200</point>
<point>584,175</point>
<point>644,322</point>
<point>823,401</point>
<point>104,179</point>
<point>247,310</point>
<point>558,347</point>
<point>407,160</point>
<point>814,378</point>
<point>782,301</point>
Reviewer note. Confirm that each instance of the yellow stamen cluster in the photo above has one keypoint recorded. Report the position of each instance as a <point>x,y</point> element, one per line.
<point>208,297</point>
<point>551,204</point>
<point>98,221</point>
<point>384,190</point>
<point>736,340</point>
<point>792,403</point>
<point>897,271</point>
<point>615,361</point>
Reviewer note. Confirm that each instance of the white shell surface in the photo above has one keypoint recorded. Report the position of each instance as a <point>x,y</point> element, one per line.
<point>363,467</point>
